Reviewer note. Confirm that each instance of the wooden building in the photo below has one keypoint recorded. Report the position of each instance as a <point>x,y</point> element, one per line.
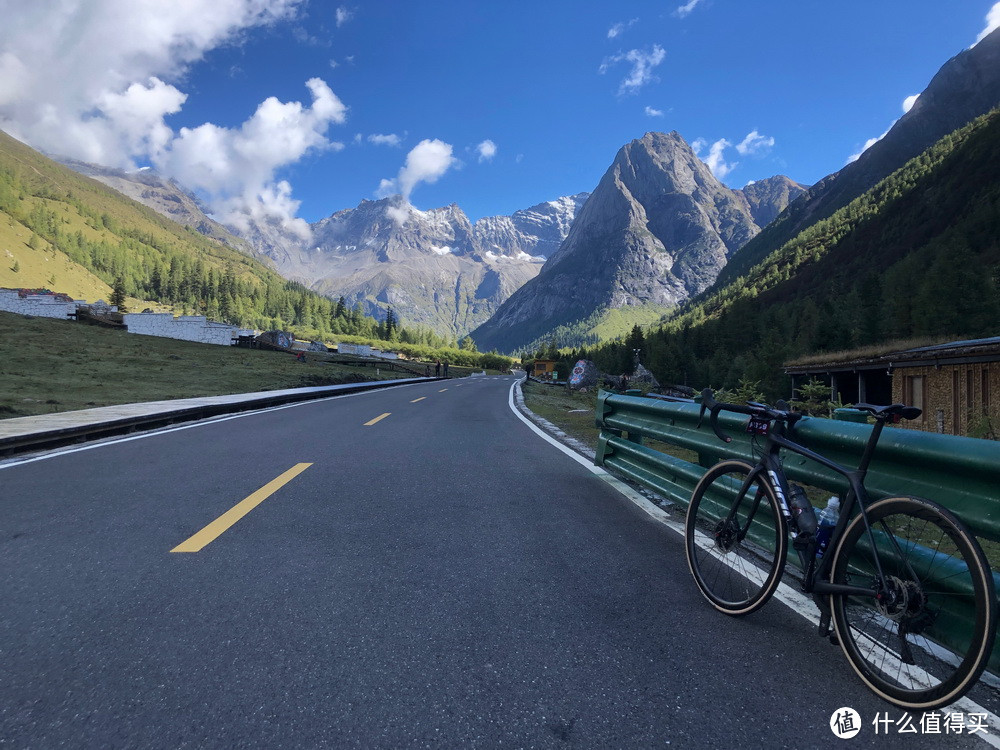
<point>956,384</point>
<point>544,369</point>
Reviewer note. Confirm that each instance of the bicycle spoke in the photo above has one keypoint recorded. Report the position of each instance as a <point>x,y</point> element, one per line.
<point>735,542</point>
<point>925,638</point>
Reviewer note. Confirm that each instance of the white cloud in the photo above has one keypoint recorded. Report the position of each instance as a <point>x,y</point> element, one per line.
<point>98,55</point>
<point>992,23</point>
<point>684,10</point>
<point>643,64</point>
<point>754,144</point>
<point>344,14</point>
<point>442,250</point>
<point>907,105</point>
<point>486,150</point>
<point>868,144</point>
<point>716,158</point>
<point>235,167</point>
<point>399,214</point>
<point>650,112</point>
<point>111,74</point>
<point>389,139</point>
<point>426,162</point>
<point>618,28</point>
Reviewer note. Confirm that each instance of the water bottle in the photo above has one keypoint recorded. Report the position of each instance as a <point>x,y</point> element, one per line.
<point>826,520</point>
<point>803,513</point>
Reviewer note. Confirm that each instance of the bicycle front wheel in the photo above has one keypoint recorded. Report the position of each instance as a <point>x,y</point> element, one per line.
<point>736,538</point>
<point>926,637</point>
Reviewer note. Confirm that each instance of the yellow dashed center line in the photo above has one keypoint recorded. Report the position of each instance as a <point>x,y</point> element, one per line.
<point>442,390</point>
<point>418,399</point>
<point>215,529</point>
<point>379,418</point>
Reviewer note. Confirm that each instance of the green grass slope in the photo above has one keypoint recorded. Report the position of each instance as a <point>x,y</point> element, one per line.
<point>69,233</point>
<point>51,366</point>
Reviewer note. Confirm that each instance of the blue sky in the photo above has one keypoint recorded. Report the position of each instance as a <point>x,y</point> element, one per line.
<point>298,108</point>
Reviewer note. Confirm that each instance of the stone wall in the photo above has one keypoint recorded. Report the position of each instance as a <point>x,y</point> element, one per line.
<point>955,396</point>
<point>359,350</point>
<point>186,328</point>
<point>38,305</point>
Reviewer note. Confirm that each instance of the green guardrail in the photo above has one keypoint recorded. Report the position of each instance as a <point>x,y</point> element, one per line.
<point>962,474</point>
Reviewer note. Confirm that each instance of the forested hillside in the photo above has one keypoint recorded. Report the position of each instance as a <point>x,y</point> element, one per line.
<point>918,255</point>
<point>69,233</point>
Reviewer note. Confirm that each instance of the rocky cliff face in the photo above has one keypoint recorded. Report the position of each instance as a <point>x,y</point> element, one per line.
<point>656,230</point>
<point>768,198</point>
<point>433,267</point>
<point>536,231</point>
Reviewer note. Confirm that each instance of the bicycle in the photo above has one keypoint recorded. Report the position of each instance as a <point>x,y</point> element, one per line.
<point>908,587</point>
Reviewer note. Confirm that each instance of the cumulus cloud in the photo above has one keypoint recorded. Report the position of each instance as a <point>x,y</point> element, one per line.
<point>650,112</point>
<point>618,28</point>
<point>95,79</point>
<point>909,101</point>
<point>642,62</point>
<point>426,162</point>
<point>685,10</point>
<point>992,23</point>
<point>486,150</point>
<point>235,167</point>
<point>71,70</point>
<point>344,14</point>
<point>389,139</point>
<point>715,160</point>
<point>754,144</point>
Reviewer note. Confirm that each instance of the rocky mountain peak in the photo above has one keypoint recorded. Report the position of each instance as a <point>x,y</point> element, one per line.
<point>657,230</point>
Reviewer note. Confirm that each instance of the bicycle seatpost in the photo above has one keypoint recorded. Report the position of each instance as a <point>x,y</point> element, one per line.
<point>866,457</point>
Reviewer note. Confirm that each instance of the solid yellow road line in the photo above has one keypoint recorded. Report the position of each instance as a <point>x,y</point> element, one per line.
<point>379,418</point>
<point>418,399</point>
<point>215,529</point>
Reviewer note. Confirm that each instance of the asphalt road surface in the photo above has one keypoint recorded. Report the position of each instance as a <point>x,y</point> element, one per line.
<point>412,567</point>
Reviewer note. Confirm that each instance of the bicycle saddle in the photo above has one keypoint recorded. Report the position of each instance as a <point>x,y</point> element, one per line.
<point>892,410</point>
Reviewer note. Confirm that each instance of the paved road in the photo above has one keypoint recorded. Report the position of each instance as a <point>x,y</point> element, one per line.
<point>439,577</point>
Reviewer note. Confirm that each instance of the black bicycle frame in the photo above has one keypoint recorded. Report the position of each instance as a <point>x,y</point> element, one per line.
<point>770,466</point>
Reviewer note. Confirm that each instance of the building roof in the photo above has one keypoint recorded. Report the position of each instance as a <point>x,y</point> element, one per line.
<point>953,352</point>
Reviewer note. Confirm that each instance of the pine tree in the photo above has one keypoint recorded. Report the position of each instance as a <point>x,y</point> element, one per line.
<point>118,295</point>
<point>390,326</point>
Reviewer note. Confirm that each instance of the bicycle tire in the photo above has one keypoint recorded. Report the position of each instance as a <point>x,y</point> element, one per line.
<point>736,565</point>
<point>929,638</point>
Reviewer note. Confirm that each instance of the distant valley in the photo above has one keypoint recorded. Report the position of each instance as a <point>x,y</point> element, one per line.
<point>658,233</point>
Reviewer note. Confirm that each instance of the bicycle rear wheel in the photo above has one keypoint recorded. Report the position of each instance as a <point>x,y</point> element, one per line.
<point>925,640</point>
<point>736,538</point>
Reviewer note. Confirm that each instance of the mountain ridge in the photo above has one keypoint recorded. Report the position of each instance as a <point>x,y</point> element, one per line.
<point>964,87</point>
<point>655,231</point>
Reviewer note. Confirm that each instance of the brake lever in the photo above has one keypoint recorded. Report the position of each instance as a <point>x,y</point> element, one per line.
<point>715,425</point>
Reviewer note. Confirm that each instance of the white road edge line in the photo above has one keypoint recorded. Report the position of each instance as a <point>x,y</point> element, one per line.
<point>791,598</point>
<point>189,426</point>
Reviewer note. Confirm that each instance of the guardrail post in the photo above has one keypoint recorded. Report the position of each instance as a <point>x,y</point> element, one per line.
<point>603,449</point>
<point>603,409</point>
